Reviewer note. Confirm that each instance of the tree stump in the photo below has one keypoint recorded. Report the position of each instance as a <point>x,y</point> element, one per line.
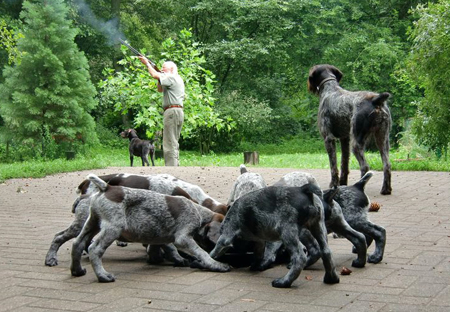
<point>251,158</point>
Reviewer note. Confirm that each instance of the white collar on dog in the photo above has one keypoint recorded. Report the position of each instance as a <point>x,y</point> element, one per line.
<point>326,80</point>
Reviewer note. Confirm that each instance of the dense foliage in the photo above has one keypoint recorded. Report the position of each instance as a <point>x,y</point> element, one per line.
<point>430,58</point>
<point>246,63</point>
<point>47,96</point>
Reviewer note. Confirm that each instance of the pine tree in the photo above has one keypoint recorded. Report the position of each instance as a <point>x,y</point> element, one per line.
<point>47,98</point>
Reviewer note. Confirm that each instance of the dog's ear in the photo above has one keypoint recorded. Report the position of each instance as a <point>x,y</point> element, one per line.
<point>336,72</point>
<point>313,83</point>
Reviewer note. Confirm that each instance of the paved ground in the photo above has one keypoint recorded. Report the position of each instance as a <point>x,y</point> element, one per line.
<point>413,276</point>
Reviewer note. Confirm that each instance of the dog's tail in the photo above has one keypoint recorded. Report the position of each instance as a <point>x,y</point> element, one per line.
<point>361,184</point>
<point>311,189</point>
<point>102,185</point>
<point>380,99</point>
<point>243,169</point>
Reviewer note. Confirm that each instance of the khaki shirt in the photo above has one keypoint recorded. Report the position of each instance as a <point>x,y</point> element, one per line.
<point>173,89</point>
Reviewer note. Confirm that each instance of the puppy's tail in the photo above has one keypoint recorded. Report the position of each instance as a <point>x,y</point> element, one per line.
<point>243,169</point>
<point>380,99</point>
<point>311,189</point>
<point>361,184</point>
<point>102,185</point>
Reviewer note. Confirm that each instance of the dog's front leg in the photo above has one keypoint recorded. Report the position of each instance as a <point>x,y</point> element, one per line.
<point>345,158</point>
<point>270,255</point>
<point>258,254</point>
<point>330,146</point>
<point>171,254</point>
<point>60,238</point>
<point>131,159</point>
<point>204,261</point>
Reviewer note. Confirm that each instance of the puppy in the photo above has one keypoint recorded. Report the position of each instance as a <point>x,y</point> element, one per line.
<point>355,204</point>
<point>138,147</point>
<point>334,222</point>
<point>245,183</point>
<point>163,184</point>
<point>280,213</point>
<point>142,216</point>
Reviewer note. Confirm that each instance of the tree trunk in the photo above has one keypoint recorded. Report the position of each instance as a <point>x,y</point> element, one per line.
<point>251,157</point>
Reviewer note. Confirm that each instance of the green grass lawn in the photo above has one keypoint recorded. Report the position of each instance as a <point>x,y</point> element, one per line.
<point>102,158</point>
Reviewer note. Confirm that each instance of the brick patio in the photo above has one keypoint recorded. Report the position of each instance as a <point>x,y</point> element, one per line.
<point>413,276</point>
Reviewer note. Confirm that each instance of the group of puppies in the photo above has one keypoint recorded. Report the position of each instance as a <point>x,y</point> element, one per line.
<point>177,221</point>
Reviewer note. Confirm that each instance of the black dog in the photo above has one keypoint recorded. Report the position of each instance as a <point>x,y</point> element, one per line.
<point>280,213</point>
<point>138,147</point>
<point>350,117</point>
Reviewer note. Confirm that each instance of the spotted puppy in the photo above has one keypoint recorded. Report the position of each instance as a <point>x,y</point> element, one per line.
<point>245,183</point>
<point>142,216</point>
<point>355,205</point>
<point>161,184</point>
<point>280,213</point>
<point>334,221</point>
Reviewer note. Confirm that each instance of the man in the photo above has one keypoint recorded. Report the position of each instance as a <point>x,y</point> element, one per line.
<point>172,87</point>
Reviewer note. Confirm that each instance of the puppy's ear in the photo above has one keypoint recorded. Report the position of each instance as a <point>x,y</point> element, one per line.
<point>336,72</point>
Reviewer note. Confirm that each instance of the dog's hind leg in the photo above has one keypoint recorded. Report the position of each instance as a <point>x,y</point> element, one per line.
<point>152,157</point>
<point>330,146</point>
<point>383,146</point>
<point>345,158</point>
<point>378,234</point>
<point>90,229</point>
<point>358,151</point>
<point>319,232</point>
<point>341,227</point>
<point>108,234</point>
<point>290,239</point>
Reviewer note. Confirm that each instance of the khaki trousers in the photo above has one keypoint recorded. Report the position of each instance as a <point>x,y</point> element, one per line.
<point>173,121</point>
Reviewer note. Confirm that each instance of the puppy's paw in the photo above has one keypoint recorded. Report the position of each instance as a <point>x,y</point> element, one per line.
<point>331,278</point>
<point>121,244</point>
<point>358,264</point>
<point>374,259</point>
<point>181,263</point>
<point>78,272</point>
<point>222,267</point>
<point>51,262</point>
<point>281,283</point>
<point>107,278</point>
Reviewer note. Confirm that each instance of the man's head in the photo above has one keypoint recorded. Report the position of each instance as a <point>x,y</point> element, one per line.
<point>170,67</point>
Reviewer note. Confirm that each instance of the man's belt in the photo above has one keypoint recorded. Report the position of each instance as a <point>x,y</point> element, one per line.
<point>172,106</point>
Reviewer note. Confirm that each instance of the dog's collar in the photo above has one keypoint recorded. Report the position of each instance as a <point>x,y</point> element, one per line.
<point>326,80</point>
